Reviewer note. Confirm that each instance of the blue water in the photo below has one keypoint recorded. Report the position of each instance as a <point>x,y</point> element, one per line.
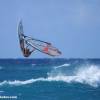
<point>50,79</point>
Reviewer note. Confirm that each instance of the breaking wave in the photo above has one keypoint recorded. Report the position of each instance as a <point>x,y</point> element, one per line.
<point>85,75</point>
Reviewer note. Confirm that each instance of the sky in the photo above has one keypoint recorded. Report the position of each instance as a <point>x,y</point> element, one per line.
<point>73,26</point>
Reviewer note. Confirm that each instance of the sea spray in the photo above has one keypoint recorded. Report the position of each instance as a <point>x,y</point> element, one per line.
<point>85,75</point>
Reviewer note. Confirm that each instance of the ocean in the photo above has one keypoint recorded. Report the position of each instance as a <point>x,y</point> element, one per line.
<point>50,79</point>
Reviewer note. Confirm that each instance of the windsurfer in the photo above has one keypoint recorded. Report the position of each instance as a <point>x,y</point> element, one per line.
<point>27,52</point>
<point>28,44</point>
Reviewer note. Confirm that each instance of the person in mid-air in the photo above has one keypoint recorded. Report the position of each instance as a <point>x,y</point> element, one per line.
<point>27,52</point>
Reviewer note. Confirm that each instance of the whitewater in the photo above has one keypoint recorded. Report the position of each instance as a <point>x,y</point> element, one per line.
<point>50,79</point>
<point>86,75</point>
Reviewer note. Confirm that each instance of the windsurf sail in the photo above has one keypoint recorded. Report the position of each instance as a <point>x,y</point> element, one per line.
<point>28,44</point>
<point>25,48</point>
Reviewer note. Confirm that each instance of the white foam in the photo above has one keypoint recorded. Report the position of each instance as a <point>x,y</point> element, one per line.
<point>18,82</point>
<point>64,65</point>
<point>85,75</point>
<point>1,91</point>
<point>33,64</point>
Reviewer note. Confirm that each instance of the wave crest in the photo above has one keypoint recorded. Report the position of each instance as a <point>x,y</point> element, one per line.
<point>64,65</point>
<point>85,75</point>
